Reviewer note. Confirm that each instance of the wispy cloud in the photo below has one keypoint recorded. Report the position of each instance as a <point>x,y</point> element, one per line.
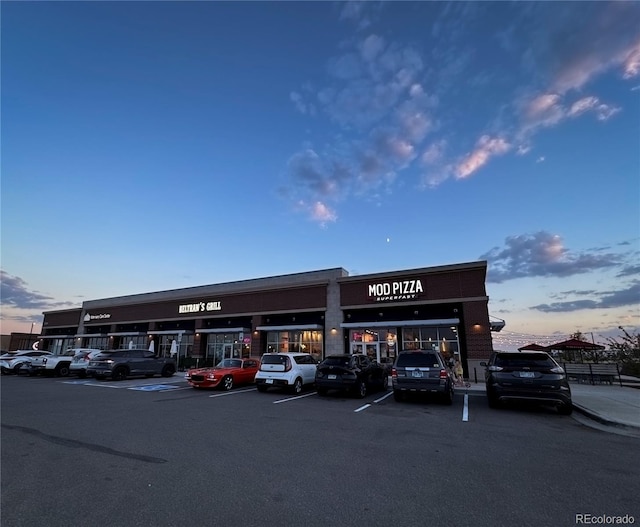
<point>610,299</point>
<point>541,254</point>
<point>397,108</point>
<point>15,293</point>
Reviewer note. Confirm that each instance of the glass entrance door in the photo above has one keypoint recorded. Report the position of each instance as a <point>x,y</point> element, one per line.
<point>227,350</point>
<point>372,350</point>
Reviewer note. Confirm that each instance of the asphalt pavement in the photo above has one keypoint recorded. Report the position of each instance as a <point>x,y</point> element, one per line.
<point>610,405</point>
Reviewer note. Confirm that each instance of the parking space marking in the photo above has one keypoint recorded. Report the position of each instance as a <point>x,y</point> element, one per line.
<point>383,397</point>
<point>154,388</point>
<point>293,398</point>
<point>362,408</point>
<point>465,408</point>
<point>233,392</point>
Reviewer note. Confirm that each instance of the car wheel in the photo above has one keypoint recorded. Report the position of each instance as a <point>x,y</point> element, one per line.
<point>565,409</point>
<point>361,389</point>
<point>385,381</point>
<point>261,387</point>
<point>82,374</point>
<point>297,386</point>
<point>168,370</point>
<point>398,395</point>
<point>119,374</point>
<point>62,370</point>
<point>227,383</point>
<point>17,368</point>
<point>322,391</point>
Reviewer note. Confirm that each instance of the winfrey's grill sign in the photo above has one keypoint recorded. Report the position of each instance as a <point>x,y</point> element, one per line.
<point>399,290</point>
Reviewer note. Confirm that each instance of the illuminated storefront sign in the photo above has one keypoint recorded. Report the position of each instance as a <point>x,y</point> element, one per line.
<point>400,290</point>
<point>89,317</point>
<point>199,307</point>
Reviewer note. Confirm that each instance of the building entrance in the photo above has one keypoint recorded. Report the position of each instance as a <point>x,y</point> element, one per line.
<point>378,345</point>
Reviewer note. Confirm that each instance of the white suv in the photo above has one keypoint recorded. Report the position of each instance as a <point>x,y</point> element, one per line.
<point>55,364</point>
<point>286,370</point>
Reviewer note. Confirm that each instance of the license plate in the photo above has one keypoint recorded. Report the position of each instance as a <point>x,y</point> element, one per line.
<point>269,381</point>
<point>332,377</point>
<point>416,373</point>
<point>527,374</point>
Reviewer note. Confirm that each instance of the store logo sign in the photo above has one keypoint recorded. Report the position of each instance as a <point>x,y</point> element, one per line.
<point>89,317</point>
<point>199,307</point>
<point>400,290</point>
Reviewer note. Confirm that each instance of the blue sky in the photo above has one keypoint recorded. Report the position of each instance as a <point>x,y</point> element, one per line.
<point>158,145</point>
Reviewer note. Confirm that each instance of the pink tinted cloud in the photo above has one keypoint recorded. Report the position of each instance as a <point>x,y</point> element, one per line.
<point>486,148</point>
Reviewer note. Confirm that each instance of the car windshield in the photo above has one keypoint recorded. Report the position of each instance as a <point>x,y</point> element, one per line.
<point>420,360</point>
<point>525,360</point>
<point>337,361</point>
<point>229,363</point>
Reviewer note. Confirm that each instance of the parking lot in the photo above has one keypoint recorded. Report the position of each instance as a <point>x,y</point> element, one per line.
<point>157,452</point>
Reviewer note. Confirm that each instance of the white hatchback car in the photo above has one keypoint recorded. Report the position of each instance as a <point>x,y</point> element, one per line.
<point>286,370</point>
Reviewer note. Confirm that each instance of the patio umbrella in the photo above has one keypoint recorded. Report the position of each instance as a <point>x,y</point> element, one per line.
<point>152,346</point>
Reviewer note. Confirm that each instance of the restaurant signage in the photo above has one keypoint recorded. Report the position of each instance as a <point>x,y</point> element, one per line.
<point>398,290</point>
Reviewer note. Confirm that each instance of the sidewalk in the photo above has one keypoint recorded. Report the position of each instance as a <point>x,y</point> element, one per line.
<point>611,405</point>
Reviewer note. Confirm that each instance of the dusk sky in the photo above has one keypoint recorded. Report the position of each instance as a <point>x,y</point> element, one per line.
<point>149,146</point>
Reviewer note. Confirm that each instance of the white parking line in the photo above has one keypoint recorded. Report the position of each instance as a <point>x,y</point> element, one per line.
<point>383,397</point>
<point>362,408</point>
<point>465,408</point>
<point>233,392</point>
<point>293,398</point>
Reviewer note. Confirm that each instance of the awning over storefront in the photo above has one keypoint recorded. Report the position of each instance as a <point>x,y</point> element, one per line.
<point>401,323</point>
<point>170,332</point>
<point>56,336</point>
<point>91,335</point>
<point>224,330</point>
<point>289,328</point>
<point>126,334</point>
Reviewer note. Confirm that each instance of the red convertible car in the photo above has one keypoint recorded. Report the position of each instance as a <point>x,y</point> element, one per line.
<point>226,374</point>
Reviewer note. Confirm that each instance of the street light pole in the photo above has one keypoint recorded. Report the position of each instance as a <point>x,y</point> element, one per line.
<point>31,330</point>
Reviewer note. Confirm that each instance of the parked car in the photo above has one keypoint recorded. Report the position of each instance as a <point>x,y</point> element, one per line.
<point>120,364</point>
<point>20,360</point>
<point>286,370</point>
<point>80,361</point>
<point>226,374</point>
<point>527,376</point>
<point>422,371</point>
<point>56,364</point>
<point>354,373</point>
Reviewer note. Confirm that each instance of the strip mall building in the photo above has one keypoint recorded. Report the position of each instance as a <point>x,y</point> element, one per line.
<point>319,312</point>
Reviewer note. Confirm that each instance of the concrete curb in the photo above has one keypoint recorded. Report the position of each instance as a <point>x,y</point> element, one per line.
<point>604,420</point>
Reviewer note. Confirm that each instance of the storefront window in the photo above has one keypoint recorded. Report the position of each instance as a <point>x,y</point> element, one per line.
<point>443,339</point>
<point>295,342</point>
<point>133,341</point>
<point>225,346</point>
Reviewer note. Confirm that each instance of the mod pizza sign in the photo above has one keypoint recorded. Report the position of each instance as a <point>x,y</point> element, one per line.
<point>397,290</point>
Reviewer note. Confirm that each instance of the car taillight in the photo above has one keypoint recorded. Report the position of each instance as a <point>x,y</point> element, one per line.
<point>287,366</point>
<point>394,373</point>
<point>443,374</point>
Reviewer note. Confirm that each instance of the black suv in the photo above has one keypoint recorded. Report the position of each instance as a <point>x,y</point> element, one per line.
<point>355,373</point>
<point>527,376</point>
<point>422,371</point>
<point>119,364</point>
